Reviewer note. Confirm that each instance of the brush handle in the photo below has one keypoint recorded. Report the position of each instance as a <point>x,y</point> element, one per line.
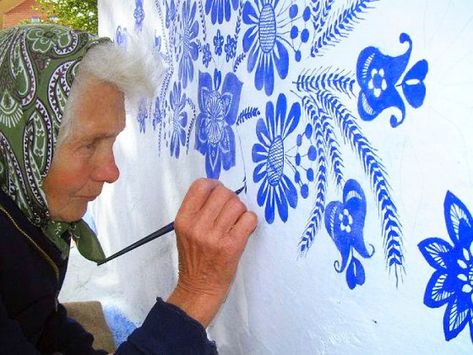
<point>160,232</point>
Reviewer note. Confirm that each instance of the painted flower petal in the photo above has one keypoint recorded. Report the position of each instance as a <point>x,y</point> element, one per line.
<point>262,133</point>
<point>281,59</point>
<point>292,120</point>
<point>435,251</point>
<point>227,148</point>
<point>281,108</point>
<point>212,162</point>
<point>269,210</point>
<point>458,220</point>
<point>259,172</point>
<point>259,153</point>
<point>249,14</point>
<point>270,120</point>
<point>290,191</point>
<point>281,203</point>
<point>438,291</point>
<point>260,74</point>
<point>457,315</point>
<point>262,194</point>
<point>268,75</point>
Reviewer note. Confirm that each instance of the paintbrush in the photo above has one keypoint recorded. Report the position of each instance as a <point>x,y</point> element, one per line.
<point>160,232</point>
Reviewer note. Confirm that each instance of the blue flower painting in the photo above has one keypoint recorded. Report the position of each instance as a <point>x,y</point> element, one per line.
<point>189,47</point>
<point>378,76</point>
<point>214,136</point>
<point>220,9</point>
<point>276,191</point>
<point>344,221</point>
<point>178,119</point>
<point>265,43</point>
<point>451,283</point>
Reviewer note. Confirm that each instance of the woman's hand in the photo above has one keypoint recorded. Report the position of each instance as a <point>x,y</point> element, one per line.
<point>212,229</point>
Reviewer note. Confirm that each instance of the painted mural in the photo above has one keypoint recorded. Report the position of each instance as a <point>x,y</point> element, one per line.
<point>269,40</point>
<point>313,136</point>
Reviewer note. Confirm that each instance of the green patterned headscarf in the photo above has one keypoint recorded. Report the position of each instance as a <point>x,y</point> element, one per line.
<point>38,64</point>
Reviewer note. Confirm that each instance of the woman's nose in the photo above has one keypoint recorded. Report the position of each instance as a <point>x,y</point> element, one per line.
<point>107,171</point>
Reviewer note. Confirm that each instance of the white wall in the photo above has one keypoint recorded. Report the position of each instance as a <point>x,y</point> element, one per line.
<point>282,301</point>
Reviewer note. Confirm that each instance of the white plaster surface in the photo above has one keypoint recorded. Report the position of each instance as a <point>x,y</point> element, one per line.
<point>280,302</point>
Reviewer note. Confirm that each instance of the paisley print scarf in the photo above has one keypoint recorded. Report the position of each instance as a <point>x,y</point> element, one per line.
<point>38,64</point>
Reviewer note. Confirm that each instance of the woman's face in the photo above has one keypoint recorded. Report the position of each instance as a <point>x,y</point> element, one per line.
<point>85,161</point>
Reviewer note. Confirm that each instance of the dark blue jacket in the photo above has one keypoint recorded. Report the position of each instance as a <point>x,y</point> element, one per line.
<point>32,321</point>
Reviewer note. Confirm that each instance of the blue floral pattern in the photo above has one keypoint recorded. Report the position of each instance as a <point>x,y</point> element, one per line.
<point>344,221</point>
<point>214,136</point>
<point>189,47</point>
<point>178,120</point>
<point>219,9</point>
<point>259,40</point>
<point>265,46</point>
<point>378,76</point>
<point>452,281</point>
<point>218,43</point>
<point>276,191</point>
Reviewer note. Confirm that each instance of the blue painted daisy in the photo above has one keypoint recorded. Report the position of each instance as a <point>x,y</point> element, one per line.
<point>452,281</point>
<point>265,42</point>
<point>218,104</point>
<point>178,119</point>
<point>188,43</point>
<point>276,190</point>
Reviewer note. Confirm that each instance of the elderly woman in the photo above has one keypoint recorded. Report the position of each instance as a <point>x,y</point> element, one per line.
<point>61,108</point>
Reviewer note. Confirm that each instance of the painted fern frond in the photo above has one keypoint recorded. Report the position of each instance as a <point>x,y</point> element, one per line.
<point>324,79</point>
<point>332,149</point>
<point>246,114</point>
<point>321,11</point>
<point>238,61</point>
<point>315,220</point>
<point>391,226</point>
<point>238,22</point>
<point>341,25</point>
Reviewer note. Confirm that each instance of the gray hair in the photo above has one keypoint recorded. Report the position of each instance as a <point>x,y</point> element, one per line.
<point>137,72</point>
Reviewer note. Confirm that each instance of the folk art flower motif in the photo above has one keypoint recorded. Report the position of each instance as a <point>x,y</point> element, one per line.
<point>178,119</point>
<point>276,191</point>
<point>378,76</point>
<point>218,43</point>
<point>265,43</point>
<point>219,9</point>
<point>344,221</point>
<point>214,136</point>
<point>451,283</point>
<point>188,42</point>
